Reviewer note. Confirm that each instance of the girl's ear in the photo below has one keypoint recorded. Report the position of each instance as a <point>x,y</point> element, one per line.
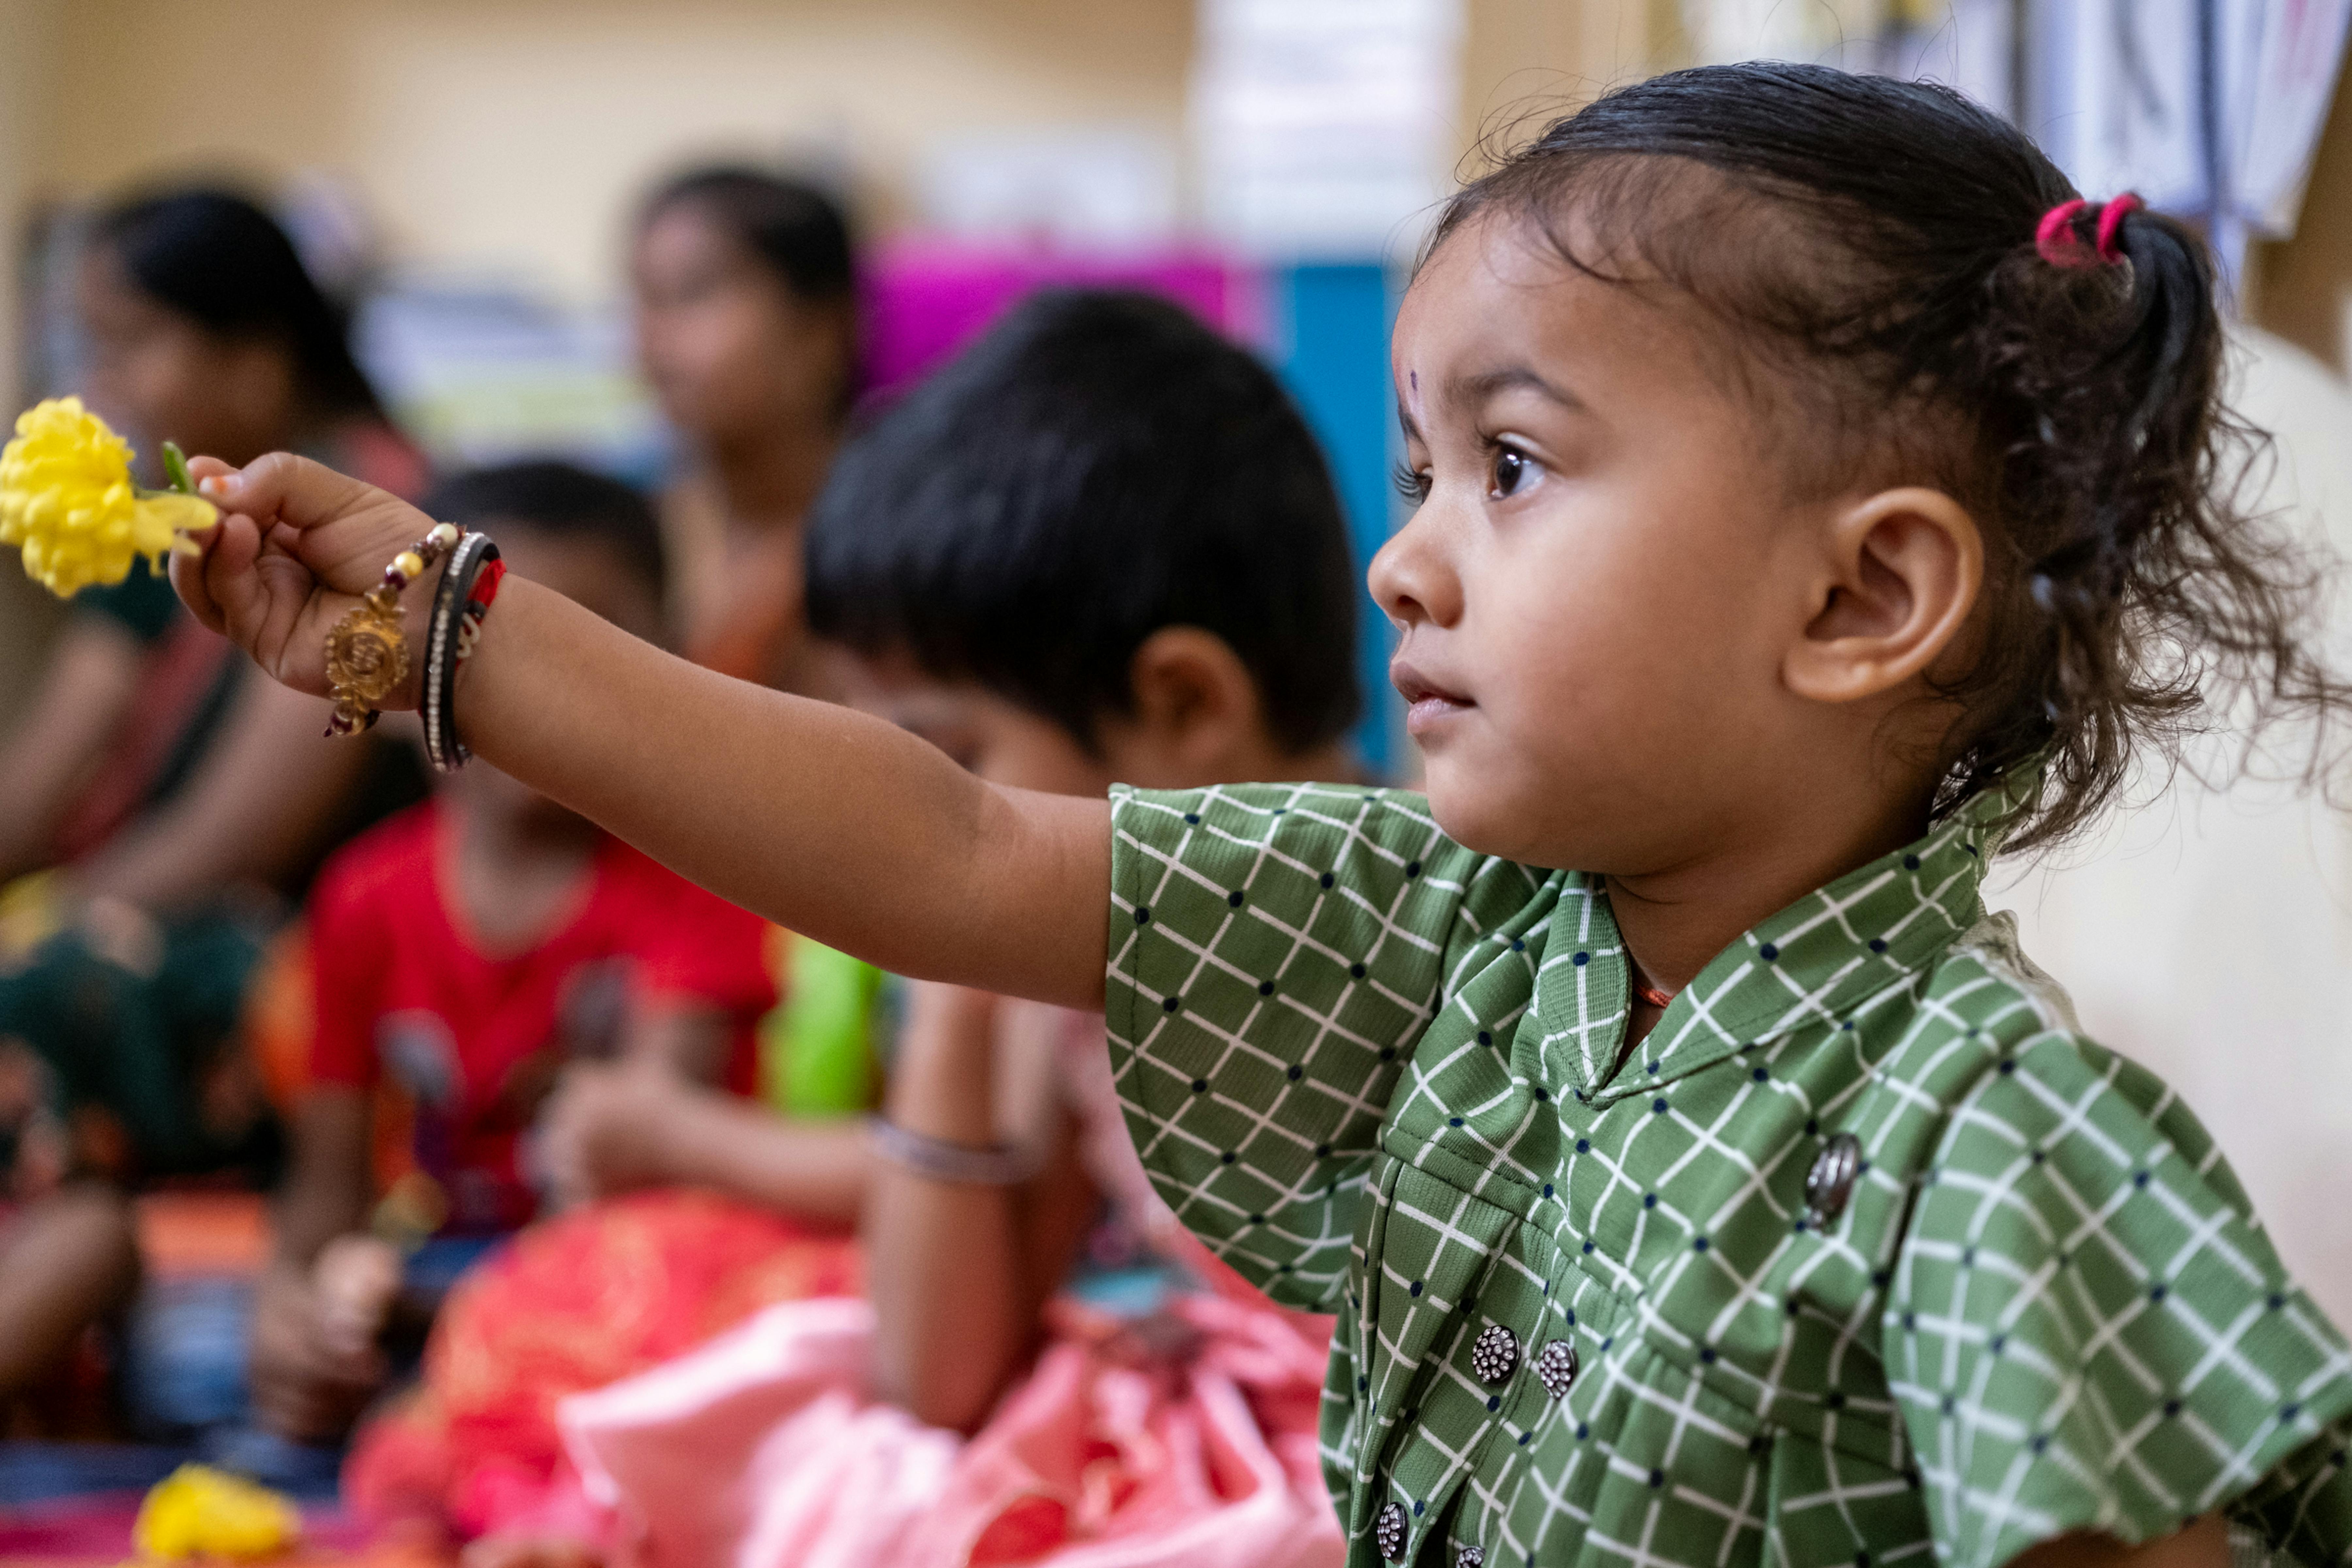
<point>1898,580</point>
<point>1196,713</point>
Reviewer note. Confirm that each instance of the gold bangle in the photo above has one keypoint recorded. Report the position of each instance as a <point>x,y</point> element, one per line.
<point>367,650</point>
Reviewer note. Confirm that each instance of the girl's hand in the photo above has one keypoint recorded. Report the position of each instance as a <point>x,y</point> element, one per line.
<point>296,546</point>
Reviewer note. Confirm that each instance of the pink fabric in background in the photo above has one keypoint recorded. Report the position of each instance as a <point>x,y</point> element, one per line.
<point>1190,1442</point>
<point>924,301</point>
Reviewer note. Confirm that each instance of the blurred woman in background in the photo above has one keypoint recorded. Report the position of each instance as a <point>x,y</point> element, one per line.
<point>163,805</point>
<point>747,330</point>
<point>745,289</point>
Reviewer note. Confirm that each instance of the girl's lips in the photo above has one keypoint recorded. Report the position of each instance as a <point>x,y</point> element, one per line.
<point>1425,716</point>
<point>1426,705</point>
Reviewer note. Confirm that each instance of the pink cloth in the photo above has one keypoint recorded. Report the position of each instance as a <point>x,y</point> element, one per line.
<point>1188,1438</point>
<point>925,301</point>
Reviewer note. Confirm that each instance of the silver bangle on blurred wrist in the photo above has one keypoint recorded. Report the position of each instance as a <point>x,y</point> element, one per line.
<point>937,1160</point>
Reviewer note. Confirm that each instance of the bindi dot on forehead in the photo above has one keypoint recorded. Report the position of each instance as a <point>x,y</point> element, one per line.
<point>1413,376</point>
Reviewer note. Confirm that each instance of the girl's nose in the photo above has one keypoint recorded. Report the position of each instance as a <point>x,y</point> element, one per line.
<point>1410,578</point>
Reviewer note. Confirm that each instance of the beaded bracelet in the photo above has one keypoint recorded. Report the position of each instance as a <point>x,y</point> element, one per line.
<point>367,650</point>
<point>935,1159</point>
<point>468,584</point>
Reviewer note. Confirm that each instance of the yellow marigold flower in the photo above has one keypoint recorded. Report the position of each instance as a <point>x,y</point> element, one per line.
<point>198,1511</point>
<point>67,501</point>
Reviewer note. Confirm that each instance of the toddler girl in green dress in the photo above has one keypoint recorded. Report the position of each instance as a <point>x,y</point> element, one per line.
<point>1813,497</point>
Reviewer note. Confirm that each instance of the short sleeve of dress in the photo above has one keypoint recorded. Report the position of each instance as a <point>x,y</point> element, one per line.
<point>1276,951</point>
<point>2087,1331</point>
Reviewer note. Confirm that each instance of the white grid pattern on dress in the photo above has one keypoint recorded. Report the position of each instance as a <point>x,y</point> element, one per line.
<point>1965,1361</point>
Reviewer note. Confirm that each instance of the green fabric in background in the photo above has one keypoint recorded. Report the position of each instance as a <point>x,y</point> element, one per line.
<point>818,1048</point>
<point>138,1042</point>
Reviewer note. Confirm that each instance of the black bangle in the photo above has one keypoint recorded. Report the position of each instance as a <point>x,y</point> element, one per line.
<point>448,638</point>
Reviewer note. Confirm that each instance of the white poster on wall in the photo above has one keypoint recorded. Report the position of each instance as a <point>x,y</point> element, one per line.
<point>1324,128</point>
<point>2279,63</point>
<point>1970,44</point>
<point>2121,104</point>
<point>2208,109</point>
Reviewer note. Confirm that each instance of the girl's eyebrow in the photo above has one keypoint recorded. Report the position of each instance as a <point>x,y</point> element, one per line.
<point>1479,388</point>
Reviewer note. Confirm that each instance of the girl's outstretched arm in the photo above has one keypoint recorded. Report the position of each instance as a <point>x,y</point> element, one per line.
<point>831,823</point>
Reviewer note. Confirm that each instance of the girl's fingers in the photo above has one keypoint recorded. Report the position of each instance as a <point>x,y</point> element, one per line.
<point>282,488</point>
<point>232,590</point>
<point>188,581</point>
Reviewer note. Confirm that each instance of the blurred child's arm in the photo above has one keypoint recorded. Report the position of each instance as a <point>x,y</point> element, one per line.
<point>92,677</point>
<point>610,1129</point>
<point>830,823</point>
<point>303,1385</point>
<point>328,1183</point>
<point>688,1041</point>
<point>261,797</point>
<point>959,1272</point>
<point>2201,1543</point>
<point>67,1259</point>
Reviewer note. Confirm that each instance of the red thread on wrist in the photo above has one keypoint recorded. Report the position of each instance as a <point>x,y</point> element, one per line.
<point>486,587</point>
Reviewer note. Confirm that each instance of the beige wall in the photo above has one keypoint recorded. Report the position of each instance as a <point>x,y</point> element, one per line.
<point>512,133</point>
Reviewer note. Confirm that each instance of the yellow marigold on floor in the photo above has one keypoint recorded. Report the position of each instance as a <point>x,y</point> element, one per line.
<point>198,1511</point>
<point>67,501</point>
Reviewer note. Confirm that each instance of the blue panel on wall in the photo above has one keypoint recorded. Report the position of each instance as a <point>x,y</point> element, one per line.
<point>1331,350</point>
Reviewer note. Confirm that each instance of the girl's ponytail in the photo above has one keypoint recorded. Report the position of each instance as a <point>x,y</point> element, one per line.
<point>2140,599</point>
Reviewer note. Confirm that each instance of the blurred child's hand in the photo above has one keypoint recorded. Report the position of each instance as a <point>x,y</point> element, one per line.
<point>304,1387</point>
<point>296,545</point>
<point>610,1128</point>
<point>352,1285</point>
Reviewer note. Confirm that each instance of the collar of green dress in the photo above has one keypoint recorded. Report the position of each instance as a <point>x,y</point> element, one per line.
<point>1811,965</point>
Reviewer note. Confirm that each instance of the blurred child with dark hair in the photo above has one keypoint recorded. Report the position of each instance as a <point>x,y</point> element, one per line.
<point>1101,544</point>
<point>464,955</point>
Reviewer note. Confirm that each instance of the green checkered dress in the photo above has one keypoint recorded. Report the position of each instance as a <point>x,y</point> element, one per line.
<point>1585,1312</point>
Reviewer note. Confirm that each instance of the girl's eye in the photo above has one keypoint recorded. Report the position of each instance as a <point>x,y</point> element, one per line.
<point>1412,484</point>
<point>1511,469</point>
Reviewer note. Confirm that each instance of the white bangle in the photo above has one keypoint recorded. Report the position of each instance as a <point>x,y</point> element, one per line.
<point>937,1160</point>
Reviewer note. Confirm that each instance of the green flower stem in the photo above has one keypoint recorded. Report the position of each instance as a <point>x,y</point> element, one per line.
<point>175,472</point>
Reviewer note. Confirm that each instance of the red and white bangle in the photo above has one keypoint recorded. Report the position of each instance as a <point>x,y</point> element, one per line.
<point>469,587</point>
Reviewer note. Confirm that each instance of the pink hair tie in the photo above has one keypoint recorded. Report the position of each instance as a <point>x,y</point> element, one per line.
<point>2060,244</point>
<point>2111,223</point>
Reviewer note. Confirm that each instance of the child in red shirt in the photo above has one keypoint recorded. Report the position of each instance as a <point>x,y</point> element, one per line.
<point>473,1031</point>
<point>464,953</point>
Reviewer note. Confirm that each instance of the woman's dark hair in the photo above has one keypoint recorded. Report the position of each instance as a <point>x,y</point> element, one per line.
<point>791,227</point>
<point>1099,465</point>
<point>1870,244</point>
<point>562,501</point>
<point>221,261</point>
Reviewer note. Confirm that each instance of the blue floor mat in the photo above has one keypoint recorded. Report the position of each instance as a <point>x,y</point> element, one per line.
<point>37,1472</point>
